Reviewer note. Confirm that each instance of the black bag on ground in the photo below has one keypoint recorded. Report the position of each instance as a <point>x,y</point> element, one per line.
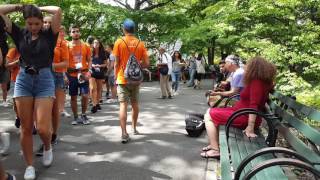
<point>194,124</point>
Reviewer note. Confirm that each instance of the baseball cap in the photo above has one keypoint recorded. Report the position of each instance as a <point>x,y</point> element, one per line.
<point>128,25</point>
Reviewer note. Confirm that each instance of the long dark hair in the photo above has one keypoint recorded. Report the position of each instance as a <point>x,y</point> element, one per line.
<point>174,57</point>
<point>200,55</point>
<point>102,52</point>
<point>29,11</point>
<point>3,39</point>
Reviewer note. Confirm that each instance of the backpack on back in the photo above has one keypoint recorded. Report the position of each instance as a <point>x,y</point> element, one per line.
<point>133,71</point>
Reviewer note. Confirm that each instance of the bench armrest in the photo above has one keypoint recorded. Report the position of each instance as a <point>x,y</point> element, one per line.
<point>272,133</point>
<point>281,162</point>
<point>268,150</point>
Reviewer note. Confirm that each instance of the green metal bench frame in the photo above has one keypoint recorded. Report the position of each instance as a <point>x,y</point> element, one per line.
<point>277,120</point>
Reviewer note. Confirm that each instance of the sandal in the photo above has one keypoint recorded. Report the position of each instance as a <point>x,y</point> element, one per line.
<point>207,148</point>
<point>215,156</point>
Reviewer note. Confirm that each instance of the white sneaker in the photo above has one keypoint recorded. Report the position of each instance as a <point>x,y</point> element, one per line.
<point>65,114</point>
<point>47,157</point>
<point>176,93</point>
<point>5,104</point>
<point>110,101</point>
<point>5,138</point>
<point>30,173</point>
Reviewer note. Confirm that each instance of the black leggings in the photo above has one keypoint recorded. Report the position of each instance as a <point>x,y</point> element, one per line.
<point>198,76</point>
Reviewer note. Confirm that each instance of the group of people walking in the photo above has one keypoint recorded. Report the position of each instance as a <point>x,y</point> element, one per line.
<point>43,65</point>
<point>177,69</point>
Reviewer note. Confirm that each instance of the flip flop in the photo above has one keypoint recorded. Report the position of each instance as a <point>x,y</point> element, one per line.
<point>207,148</point>
<point>205,155</point>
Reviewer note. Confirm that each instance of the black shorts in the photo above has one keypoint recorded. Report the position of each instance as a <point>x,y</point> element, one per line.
<point>98,75</point>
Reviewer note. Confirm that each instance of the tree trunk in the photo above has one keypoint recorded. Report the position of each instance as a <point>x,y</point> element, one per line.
<point>211,51</point>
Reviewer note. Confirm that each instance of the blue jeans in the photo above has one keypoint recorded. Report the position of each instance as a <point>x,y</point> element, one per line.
<point>175,77</point>
<point>192,73</point>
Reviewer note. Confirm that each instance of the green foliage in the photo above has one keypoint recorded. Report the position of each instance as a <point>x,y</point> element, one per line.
<point>286,32</point>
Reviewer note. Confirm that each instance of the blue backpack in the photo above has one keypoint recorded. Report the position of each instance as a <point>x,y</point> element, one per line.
<point>133,71</point>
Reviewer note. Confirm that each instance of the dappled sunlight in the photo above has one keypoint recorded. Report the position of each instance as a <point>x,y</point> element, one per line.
<point>161,151</point>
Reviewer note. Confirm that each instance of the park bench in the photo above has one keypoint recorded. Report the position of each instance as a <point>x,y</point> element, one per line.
<point>257,158</point>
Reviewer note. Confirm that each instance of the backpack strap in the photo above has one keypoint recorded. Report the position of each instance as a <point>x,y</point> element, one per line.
<point>135,49</point>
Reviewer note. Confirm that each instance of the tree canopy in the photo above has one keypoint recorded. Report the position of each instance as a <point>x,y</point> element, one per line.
<point>285,32</point>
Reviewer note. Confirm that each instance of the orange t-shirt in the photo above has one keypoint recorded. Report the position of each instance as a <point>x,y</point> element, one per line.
<point>12,56</point>
<point>79,54</point>
<point>61,53</point>
<point>120,51</point>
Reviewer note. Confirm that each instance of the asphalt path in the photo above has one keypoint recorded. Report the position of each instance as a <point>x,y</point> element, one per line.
<point>94,152</point>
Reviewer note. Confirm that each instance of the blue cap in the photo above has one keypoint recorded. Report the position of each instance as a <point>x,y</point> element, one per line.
<point>128,25</point>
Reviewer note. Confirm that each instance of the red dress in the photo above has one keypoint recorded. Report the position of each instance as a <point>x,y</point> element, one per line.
<point>254,95</point>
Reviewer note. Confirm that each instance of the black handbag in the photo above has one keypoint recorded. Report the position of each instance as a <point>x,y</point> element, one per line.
<point>194,124</point>
<point>164,70</point>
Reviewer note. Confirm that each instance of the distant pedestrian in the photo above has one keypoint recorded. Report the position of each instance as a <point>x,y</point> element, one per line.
<point>110,75</point>
<point>192,69</point>
<point>99,64</point>
<point>123,48</point>
<point>177,64</point>
<point>200,71</point>
<point>164,64</point>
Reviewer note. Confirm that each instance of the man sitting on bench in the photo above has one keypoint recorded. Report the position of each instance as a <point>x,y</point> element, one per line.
<point>232,66</point>
<point>258,81</point>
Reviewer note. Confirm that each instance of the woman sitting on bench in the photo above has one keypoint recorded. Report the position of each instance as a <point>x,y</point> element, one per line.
<point>258,80</point>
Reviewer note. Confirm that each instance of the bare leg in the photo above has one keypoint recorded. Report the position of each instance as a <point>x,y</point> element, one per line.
<point>3,174</point>
<point>25,112</point>
<point>135,114</point>
<point>4,91</point>
<point>74,106</point>
<point>99,89</point>
<point>57,109</point>
<point>123,117</point>
<point>43,109</point>
<point>114,92</point>
<point>93,91</point>
<point>213,135</point>
<point>84,103</point>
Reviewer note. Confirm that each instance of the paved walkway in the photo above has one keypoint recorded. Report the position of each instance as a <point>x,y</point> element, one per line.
<point>162,151</point>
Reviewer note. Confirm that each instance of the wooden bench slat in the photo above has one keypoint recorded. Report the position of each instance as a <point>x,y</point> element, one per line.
<point>242,151</point>
<point>315,115</point>
<point>309,132</point>
<point>234,152</point>
<point>224,155</point>
<point>269,173</point>
<point>291,103</point>
<point>298,145</point>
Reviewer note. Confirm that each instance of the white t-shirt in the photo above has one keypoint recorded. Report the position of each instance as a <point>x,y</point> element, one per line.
<point>166,59</point>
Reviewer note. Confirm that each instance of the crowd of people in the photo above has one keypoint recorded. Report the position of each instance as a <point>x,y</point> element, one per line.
<point>41,67</point>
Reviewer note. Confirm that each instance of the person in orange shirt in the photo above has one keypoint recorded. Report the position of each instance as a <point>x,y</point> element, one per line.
<point>78,74</point>
<point>13,66</point>
<point>122,49</point>
<point>59,67</point>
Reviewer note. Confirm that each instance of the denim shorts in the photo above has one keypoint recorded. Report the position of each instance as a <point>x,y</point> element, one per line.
<point>38,86</point>
<point>74,86</point>
<point>59,81</point>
